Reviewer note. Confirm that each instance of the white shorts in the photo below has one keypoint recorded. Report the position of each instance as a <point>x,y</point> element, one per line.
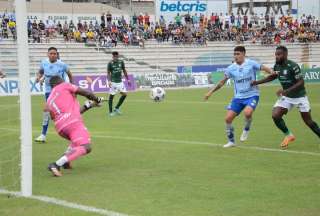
<point>301,103</point>
<point>117,87</point>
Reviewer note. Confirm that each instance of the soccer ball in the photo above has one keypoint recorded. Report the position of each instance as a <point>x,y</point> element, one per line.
<point>157,94</point>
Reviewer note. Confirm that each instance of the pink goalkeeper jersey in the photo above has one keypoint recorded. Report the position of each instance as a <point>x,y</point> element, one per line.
<point>63,105</point>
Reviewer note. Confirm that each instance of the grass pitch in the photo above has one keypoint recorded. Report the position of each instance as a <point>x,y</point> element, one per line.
<point>166,158</point>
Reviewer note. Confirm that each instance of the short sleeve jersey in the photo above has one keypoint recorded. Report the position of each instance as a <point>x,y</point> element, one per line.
<point>63,105</point>
<point>49,69</point>
<point>288,74</point>
<point>243,75</point>
<point>116,68</point>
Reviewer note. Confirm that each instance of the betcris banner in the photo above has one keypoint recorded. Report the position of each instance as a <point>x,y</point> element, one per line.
<point>10,87</point>
<point>170,8</point>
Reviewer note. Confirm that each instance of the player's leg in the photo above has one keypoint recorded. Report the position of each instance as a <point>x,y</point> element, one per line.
<point>121,100</point>
<point>251,105</point>
<point>123,93</point>
<point>306,116</point>
<point>230,116</point>
<point>305,111</point>
<point>277,113</point>
<point>80,145</point>
<point>233,110</point>
<point>45,124</point>
<point>113,92</point>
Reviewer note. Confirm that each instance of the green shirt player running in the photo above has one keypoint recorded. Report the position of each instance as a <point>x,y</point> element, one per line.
<point>115,69</point>
<point>293,93</point>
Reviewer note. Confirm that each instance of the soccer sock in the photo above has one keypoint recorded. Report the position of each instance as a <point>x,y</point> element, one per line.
<point>76,153</point>
<point>247,124</point>
<point>45,123</point>
<point>279,122</point>
<point>230,131</point>
<point>315,128</point>
<point>110,103</point>
<point>122,98</point>
<point>62,161</point>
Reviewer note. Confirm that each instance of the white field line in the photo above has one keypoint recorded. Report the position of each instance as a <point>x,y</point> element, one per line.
<point>66,204</point>
<point>226,103</point>
<point>206,144</point>
<point>211,101</point>
<point>112,213</point>
<point>97,134</point>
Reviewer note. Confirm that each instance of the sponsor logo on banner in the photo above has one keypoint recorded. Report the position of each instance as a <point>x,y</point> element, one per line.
<point>96,83</point>
<point>183,6</point>
<point>170,8</point>
<point>162,79</point>
<point>10,86</point>
<point>311,75</point>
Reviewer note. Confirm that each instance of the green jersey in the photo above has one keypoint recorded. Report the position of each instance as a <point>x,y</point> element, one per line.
<point>116,68</point>
<point>288,74</point>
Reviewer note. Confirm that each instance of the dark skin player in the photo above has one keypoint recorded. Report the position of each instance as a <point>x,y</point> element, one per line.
<point>293,87</point>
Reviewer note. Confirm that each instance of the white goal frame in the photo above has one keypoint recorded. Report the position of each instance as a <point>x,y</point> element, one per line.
<point>25,98</point>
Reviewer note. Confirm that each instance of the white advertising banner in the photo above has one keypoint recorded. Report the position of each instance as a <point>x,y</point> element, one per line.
<point>67,17</point>
<point>74,17</point>
<point>170,8</point>
<point>10,87</point>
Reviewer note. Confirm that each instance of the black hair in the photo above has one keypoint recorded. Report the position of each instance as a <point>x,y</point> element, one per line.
<point>115,53</point>
<point>282,48</point>
<point>52,48</point>
<point>55,80</point>
<point>240,49</point>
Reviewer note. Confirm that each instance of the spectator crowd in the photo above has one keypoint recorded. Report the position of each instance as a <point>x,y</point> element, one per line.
<point>185,29</point>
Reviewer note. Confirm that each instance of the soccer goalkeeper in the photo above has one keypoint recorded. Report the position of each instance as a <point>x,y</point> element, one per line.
<point>66,112</point>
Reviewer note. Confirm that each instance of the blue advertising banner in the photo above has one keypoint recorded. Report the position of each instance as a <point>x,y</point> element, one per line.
<point>202,68</point>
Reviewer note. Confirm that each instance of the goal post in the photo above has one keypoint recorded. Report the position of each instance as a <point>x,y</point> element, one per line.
<point>25,98</point>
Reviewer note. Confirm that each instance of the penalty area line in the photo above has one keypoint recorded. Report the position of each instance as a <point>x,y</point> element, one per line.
<point>97,134</point>
<point>64,203</point>
<point>192,142</point>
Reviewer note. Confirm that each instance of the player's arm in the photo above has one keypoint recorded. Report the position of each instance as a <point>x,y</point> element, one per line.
<point>216,88</point>
<point>90,96</point>
<point>69,74</point>
<point>125,73</point>
<point>267,69</point>
<point>293,88</point>
<point>109,74</point>
<point>40,75</point>
<point>265,80</point>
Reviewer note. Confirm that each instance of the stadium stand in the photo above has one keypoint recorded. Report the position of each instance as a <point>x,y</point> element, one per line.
<point>154,58</point>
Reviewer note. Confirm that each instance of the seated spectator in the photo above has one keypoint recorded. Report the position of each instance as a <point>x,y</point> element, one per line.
<point>36,35</point>
<point>83,36</point>
<point>126,40</point>
<point>77,36</point>
<point>277,39</point>
<point>90,35</point>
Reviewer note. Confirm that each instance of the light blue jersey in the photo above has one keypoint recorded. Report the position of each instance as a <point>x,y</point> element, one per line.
<point>57,68</point>
<point>243,75</point>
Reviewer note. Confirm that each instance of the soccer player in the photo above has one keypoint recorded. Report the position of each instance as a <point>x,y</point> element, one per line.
<point>246,97</point>
<point>115,69</point>
<point>66,112</point>
<point>49,67</point>
<point>293,93</point>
